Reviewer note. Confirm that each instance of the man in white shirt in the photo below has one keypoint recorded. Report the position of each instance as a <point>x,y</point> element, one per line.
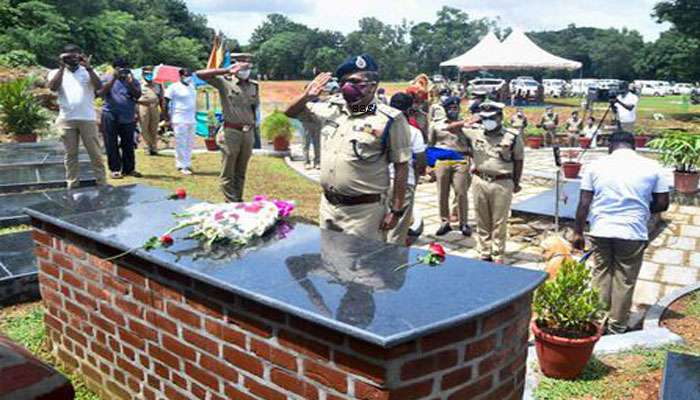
<point>181,107</point>
<point>618,195</point>
<point>626,108</point>
<point>76,82</point>
<point>399,234</point>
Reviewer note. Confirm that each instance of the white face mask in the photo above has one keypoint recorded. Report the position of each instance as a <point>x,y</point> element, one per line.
<point>490,124</point>
<point>243,74</point>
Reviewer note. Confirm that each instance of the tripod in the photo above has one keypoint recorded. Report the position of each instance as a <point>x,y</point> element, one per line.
<point>611,108</point>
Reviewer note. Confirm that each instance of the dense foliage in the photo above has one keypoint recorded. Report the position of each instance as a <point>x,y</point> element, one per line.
<point>276,125</point>
<point>680,150</point>
<point>20,113</point>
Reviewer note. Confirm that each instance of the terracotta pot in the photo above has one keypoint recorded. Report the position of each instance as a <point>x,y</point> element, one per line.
<point>25,138</point>
<point>280,143</point>
<point>534,142</point>
<point>585,142</point>
<point>563,358</point>
<point>211,144</point>
<point>686,182</point>
<point>640,141</point>
<point>571,169</point>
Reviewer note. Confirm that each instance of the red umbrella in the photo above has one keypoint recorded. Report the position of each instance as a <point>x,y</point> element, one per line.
<point>166,73</point>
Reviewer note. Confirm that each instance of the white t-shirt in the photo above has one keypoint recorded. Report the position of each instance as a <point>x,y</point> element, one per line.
<point>417,146</point>
<point>76,96</point>
<point>625,116</point>
<point>622,184</point>
<point>183,103</point>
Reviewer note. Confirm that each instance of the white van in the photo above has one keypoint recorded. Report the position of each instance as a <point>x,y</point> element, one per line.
<point>579,87</point>
<point>554,87</point>
<point>653,88</point>
<point>682,88</point>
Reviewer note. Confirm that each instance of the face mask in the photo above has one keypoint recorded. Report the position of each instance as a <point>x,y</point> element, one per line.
<point>352,93</point>
<point>243,74</point>
<point>187,80</point>
<point>452,115</point>
<point>490,124</point>
<point>148,77</point>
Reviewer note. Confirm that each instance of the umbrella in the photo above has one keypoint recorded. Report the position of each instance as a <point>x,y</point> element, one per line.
<point>166,73</point>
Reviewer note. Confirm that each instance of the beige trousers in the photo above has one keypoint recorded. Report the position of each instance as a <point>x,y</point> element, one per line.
<point>549,137</point>
<point>457,177</point>
<point>492,206</point>
<point>617,264</point>
<point>149,117</point>
<point>236,148</point>
<point>72,132</point>
<point>359,220</point>
<point>399,234</point>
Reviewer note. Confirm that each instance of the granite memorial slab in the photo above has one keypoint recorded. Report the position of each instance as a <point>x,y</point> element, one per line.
<point>681,379</point>
<point>340,281</point>
<point>543,204</point>
<point>49,152</point>
<point>41,176</point>
<point>18,268</point>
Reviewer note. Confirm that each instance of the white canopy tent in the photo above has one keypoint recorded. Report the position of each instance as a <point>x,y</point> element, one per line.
<point>517,52</point>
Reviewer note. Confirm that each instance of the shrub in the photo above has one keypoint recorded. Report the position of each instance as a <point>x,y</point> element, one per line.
<point>532,130</point>
<point>567,305</point>
<point>17,58</point>
<point>20,112</point>
<point>679,150</point>
<point>276,125</point>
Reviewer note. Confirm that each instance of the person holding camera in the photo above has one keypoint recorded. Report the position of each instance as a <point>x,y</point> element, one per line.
<point>76,82</point>
<point>121,92</point>
<point>625,107</point>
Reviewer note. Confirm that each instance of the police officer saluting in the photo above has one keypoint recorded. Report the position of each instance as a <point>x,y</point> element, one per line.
<point>498,165</point>
<point>239,99</point>
<point>359,140</point>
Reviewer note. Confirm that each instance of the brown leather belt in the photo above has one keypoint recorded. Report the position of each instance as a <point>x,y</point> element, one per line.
<point>342,200</point>
<point>492,178</point>
<point>240,127</point>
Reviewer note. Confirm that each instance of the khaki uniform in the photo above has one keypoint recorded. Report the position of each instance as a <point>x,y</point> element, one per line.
<point>573,130</point>
<point>493,155</point>
<point>518,123</point>
<point>451,173</point>
<point>423,120</point>
<point>355,158</point>
<point>238,102</point>
<point>149,113</point>
<point>72,132</point>
<point>549,123</point>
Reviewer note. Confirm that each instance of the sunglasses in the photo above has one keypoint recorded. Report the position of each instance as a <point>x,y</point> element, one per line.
<point>358,82</point>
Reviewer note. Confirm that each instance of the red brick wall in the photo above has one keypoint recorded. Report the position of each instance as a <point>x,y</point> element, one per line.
<point>136,330</point>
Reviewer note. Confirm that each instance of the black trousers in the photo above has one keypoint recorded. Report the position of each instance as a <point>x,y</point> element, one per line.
<point>119,143</point>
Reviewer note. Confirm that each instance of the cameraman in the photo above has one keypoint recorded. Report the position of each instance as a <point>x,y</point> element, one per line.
<point>120,91</point>
<point>625,107</point>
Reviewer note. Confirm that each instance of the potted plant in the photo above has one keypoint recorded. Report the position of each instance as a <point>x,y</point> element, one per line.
<point>566,325</point>
<point>533,137</point>
<point>640,139</point>
<point>21,114</point>
<point>682,151</point>
<point>213,125</point>
<point>571,166</point>
<point>278,128</point>
<point>585,142</point>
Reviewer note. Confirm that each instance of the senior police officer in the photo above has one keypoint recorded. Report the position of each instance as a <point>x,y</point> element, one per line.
<point>573,125</point>
<point>239,99</point>
<point>452,169</point>
<point>498,165</point>
<point>359,140</point>
<point>549,122</point>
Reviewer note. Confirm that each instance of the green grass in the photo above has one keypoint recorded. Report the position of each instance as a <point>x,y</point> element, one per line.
<point>693,307</point>
<point>670,106</point>
<point>14,229</point>
<point>25,325</point>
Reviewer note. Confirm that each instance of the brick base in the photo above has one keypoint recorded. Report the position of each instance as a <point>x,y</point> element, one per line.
<point>137,330</point>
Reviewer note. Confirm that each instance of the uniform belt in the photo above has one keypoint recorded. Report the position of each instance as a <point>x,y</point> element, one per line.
<point>339,199</point>
<point>491,177</point>
<point>240,127</point>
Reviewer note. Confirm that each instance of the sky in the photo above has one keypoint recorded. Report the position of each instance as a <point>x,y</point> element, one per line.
<point>238,18</point>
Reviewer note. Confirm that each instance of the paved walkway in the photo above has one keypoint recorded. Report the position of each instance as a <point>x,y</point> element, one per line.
<point>671,261</point>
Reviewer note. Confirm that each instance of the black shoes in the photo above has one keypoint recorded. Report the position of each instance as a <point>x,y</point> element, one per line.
<point>466,230</point>
<point>444,229</point>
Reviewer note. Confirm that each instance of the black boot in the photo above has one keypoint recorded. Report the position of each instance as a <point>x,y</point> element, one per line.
<point>444,229</point>
<point>466,230</point>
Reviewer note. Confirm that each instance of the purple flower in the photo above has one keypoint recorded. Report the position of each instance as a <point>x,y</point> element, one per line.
<point>285,208</point>
<point>259,197</point>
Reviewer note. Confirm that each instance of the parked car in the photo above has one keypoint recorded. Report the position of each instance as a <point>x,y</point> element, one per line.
<point>579,87</point>
<point>652,89</point>
<point>437,78</point>
<point>489,85</point>
<point>682,88</point>
<point>526,87</point>
<point>555,87</point>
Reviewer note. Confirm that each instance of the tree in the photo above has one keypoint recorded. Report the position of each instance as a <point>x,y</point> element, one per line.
<point>279,57</point>
<point>684,14</point>
<point>324,59</point>
<point>275,24</point>
<point>673,57</point>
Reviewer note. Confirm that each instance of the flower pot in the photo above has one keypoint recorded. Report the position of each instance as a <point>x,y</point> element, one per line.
<point>571,169</point>
<point>640,141</point>
<point>280,143</point>
<point>534,142</point>
<point>560,357</point>
<point>211,144</point>
<point>585,142</point>
<point>25,138</point>
<point>686,182</point>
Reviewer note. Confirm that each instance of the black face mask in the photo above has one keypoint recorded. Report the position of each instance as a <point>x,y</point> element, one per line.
<point>452,115</point>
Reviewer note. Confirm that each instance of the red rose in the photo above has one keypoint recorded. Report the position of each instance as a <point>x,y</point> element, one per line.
<point>181,193</point>
<point>166,240</point>
<point>437,249</point>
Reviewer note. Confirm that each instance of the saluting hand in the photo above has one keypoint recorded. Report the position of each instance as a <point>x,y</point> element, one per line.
<point>316,86</point>
<point>238,66</point>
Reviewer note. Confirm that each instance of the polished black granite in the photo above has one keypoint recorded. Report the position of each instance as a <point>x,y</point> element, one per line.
<point>40,176</point>
<point>681,380</point>
<point>49,152</point>
<point>543,203</point>
<point>340,281</point>
<point>16,255</point>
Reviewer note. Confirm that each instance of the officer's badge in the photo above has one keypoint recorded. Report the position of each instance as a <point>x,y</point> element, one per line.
<point>367,128</point>
<point>360,63</point>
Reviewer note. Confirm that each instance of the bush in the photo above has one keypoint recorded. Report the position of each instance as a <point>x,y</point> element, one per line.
<point>276,125</point>
<point>679,150</point>
<point>17,59</point>
<point>20,112</point>
<point>532,130</point>
<point>567,305</point>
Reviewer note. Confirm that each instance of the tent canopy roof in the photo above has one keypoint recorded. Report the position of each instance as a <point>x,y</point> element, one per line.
<point>517,52</point>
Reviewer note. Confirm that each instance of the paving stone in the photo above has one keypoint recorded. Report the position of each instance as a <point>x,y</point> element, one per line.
<point>667,256</point>
<point>681,243</point>
<point>689,210</point>
<point>690,231</point>
<point>658,241</point>
<point>647,292</point>
<point>694,260</point>
<point>681,276</point>
<point>649,270</point>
